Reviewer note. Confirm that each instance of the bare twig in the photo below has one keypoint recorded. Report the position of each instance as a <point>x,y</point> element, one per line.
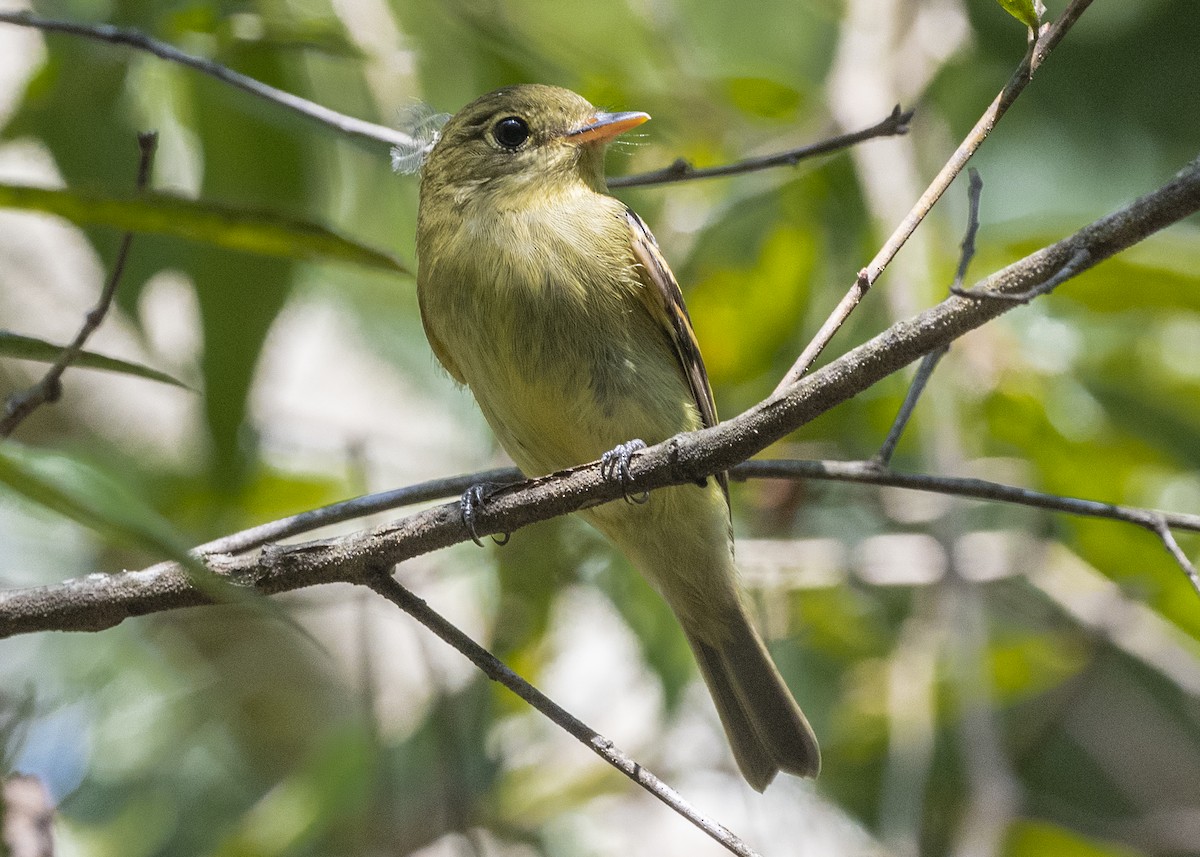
<point>1034,57</point>
<point>497,670</point>
<point>100,601</point>
<point>1072,267</point>
<point>19,406</point>
<point>682,170</point>
<point>930,361</point>
<point>136,39</point>
<point>867,473</point>
<point>358,507</point>
<point>974,193</point>
<point>1163,531</point>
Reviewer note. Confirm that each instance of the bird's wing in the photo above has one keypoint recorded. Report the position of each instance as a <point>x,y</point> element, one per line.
<point>664,301</point>
<point>435,343</point>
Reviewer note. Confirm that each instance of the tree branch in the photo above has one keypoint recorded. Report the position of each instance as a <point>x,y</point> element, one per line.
<point>682,170</point>
<point>1034,57</point>
<point>930,361</point>
<point>138,40</point>
<point>495,669</point>
<point>18,407</point>
<point>103,601</point>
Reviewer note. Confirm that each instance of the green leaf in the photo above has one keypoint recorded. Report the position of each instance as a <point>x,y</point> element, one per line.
<point>29,348</point>
<point>91,498</point>
<point>247,230</point>
<point>1030,838</point>
<point>1025,11</point>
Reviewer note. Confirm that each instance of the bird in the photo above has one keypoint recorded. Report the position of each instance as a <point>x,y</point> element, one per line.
<point>550,300</point>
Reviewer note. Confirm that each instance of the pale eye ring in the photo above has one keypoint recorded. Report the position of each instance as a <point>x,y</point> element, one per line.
<point>511,132</point>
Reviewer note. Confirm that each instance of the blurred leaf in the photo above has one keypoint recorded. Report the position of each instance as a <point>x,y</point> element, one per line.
<point>89,497</point>
<point>657,630</point>
<point>532,570</point>
<point>760,96</point>
<point>206,222</point>
<point>1040,838</point>
<point>1170,425</point>
<point>330,788</point>
<point>99,502</point>
<point>1032,663</point>
<point>1025,11</point>
<point>29,348</point>
<point>241,297</point>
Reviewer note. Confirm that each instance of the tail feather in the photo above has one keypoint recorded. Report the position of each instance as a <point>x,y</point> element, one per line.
<point>766,728</point>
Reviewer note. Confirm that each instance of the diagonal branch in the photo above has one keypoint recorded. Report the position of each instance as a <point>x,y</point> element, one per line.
<point>495,669</point>
<point>138,40</point>
<point>680,170</point>
<point>85,605</point>
<point>930,361</point>
<point>18,407</point>
<point>1162,528</point>
<point>1034,57</point>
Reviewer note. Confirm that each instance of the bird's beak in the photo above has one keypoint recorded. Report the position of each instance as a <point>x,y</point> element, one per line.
<point>602,127</point>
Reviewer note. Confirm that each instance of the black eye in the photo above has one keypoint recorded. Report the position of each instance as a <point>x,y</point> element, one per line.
<point>511,132</point>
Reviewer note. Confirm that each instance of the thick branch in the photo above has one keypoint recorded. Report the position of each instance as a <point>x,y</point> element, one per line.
<point>86,605</point>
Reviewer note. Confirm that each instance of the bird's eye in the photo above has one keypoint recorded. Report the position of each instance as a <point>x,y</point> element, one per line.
<point>511,132</point>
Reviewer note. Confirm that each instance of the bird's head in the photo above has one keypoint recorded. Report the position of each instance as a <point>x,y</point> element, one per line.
<point>525,139</point>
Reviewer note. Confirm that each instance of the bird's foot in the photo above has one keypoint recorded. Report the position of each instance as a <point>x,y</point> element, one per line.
<point>468,505</point>
<point>614,464</point>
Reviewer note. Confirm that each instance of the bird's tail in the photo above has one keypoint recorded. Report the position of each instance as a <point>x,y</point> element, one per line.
<point>766,728</point>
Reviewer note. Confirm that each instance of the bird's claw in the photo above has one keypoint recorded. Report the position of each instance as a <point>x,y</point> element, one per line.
<point>614,464</point>
<point>468,505</point>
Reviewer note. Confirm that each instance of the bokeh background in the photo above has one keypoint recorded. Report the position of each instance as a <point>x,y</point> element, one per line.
<point>985,680</point>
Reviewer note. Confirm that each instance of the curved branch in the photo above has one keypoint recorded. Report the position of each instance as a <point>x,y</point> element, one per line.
<point>682,170</point>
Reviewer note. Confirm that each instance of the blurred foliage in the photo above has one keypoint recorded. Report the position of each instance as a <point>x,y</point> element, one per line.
<point>224,731</point>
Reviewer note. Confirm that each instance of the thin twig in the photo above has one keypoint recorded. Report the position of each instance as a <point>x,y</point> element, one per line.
<point>358,507</point>
<point>1163,531</point>
<point>974,194</point>
<point>682,170</point>
<point>495,669</point>
<point>867,473</point>
<point>102,601</point>
<point>136,39</point>
<point>19,406</point>
<point>1073,266</point>
<point>925,369</point>
<point>1034,57</point>
<point>930,361</point>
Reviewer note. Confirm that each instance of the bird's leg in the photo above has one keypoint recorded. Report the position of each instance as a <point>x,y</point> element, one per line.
<point>614,464</point>
<point>469,503</point>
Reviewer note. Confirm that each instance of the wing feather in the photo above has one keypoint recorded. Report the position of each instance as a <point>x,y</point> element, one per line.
<point>664,301</point>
